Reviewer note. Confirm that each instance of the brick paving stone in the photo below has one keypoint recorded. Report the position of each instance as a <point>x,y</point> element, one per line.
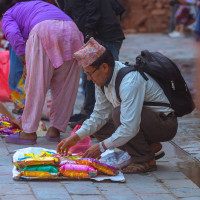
<point>81,188</point>
<point>18,197</point>
<point>15,188</point>
<point>186,192</point>
<point>5,170</point>
<point>149,184</point>
<point>49,190</point>
<point>157,197</point>
<point>180,184</point>
<point>87,197</point>
<point>7,178</point>
<point>166,175</point>
<point>116,191</point>
<point>190,198</point>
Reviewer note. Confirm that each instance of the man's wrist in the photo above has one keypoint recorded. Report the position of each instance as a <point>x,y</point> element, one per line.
<point>101,147</point>
<point>76,137</point>
<point>104,146</point>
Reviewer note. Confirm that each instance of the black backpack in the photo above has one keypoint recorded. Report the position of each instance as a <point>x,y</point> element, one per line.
<point>167,75</point>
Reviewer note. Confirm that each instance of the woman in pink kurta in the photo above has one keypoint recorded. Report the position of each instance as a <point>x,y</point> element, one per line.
<point>47,38</point>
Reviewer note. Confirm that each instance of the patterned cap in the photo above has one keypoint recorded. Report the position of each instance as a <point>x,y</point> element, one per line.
<point>89,52</point>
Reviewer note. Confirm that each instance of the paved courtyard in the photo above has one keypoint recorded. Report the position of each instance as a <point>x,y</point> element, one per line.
<point>178,174</point>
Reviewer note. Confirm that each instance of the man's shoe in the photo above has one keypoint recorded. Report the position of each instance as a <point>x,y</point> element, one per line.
<point>76,117</point>
<point>80,122</point>
<point>156,147</point>
<point>143,167</point>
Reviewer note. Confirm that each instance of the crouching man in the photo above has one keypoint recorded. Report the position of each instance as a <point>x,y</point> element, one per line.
<point>127,125</point>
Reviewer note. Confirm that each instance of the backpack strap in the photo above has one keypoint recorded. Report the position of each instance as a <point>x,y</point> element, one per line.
<point>125,70</point>
<point>122,72</point>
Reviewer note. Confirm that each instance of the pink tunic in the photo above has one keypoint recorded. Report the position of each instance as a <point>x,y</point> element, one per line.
<point>60,39</point>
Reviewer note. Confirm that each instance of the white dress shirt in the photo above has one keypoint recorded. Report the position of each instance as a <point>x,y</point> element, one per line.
<point>133,91</point>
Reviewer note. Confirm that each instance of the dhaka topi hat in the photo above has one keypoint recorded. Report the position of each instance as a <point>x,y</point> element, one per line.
<point>89,52</point>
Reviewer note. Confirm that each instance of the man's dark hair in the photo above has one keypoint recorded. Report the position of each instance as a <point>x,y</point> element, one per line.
<point>106,57</point>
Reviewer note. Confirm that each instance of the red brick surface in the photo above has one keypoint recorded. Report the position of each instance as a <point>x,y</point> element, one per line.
<point>145,16</point>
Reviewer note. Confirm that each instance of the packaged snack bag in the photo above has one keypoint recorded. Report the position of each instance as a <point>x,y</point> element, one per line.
<point>42,168</point>
<point>37,161</point>
<point>7,128</point>
<point>77,171</point>
<point>101,167</point>
<point>37,174</point>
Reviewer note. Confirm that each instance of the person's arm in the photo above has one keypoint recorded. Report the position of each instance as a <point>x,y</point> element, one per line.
<point>4,111</point>
<point>13,34</point>
<point>101,114</point>
<point>92,19</point>
<point>132,93</point>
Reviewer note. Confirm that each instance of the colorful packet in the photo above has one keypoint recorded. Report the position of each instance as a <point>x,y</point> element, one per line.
<point>37,161</point>
<point>18,95</point>
<point>37,174</point>
<point>77,171</point>
<point>42,168</point>
<point>64,161</point>
<point>7,128</point>
<point>101,167</point>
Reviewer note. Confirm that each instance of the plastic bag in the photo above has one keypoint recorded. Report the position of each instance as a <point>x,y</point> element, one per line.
<point>82,145</point>
<point>18,95</point>
<point>4,73</point>
<point>119,159</point>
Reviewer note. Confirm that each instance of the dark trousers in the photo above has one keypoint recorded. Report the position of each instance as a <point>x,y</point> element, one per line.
<point>154,127</point>
<point>88,86</point>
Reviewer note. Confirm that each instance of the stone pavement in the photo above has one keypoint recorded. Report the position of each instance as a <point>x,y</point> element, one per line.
<point>169,182</point>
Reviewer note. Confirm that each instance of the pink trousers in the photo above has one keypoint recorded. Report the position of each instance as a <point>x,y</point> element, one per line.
<point>41,76</point>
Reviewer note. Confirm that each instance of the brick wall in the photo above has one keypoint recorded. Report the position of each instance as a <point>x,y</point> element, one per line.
<point>142,16</point>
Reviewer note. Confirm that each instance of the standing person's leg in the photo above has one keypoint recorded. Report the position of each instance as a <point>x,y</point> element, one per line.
<point>39,74</point>
<point>114,48</point>
<point>16,68</point>
<point>172,22</point>
<point>89,101</point>
<point>64,88</point>
<point>15,74</point>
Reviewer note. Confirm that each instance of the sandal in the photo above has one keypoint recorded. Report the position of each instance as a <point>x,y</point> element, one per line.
<point>15,139</point>
<point>134,168</point>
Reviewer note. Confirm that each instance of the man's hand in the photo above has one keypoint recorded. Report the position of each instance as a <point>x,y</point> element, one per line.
<point>64,146</point>
<point>92,152</point>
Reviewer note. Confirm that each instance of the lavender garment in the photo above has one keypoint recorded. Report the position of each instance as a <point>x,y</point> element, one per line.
<point>20,19</point>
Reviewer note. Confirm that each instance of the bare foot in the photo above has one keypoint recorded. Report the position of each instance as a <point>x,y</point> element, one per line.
<point>28,136</point>
<point>53,132</point>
